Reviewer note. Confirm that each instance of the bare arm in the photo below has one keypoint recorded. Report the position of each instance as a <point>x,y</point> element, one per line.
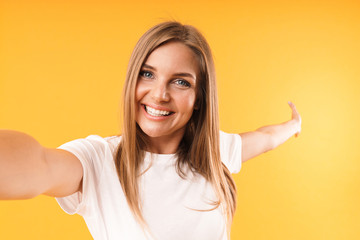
<point>27,169</point>
<point>269,137</point>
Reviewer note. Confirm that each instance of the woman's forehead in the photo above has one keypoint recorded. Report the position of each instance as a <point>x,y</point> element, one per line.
<point>173,57</point>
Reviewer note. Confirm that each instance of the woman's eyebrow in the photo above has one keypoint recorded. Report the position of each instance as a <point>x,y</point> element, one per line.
<point>148,66</point>
<point>185,75</point>
<point>180,74</point>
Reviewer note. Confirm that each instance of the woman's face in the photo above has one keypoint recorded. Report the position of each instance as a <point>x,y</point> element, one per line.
<point>166,91</point>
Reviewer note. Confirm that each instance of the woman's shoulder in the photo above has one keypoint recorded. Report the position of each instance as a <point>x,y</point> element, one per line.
<point>224,136</point>
<point>95,143</point>
<point>230,151</point>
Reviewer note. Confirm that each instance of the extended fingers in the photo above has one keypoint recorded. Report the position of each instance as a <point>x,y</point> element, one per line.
<point>292,105</point>
<point>293,108</point>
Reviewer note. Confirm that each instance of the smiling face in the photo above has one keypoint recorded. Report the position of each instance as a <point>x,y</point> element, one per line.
<point>166,94</point>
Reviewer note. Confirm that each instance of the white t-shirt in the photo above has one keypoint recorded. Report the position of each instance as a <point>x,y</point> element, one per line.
<point>167,199</point>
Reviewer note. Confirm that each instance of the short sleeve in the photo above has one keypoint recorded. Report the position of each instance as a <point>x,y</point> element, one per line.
<point>230,151</point>
<point>92,152</point>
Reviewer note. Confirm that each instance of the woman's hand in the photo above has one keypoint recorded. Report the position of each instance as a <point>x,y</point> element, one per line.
<point>269,137</point>
<point>296,117</point>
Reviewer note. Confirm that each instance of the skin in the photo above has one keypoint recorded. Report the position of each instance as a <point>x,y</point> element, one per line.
<point>167,82</point>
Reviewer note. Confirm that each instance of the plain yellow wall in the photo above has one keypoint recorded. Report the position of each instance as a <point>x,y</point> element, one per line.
<point>62,66</point>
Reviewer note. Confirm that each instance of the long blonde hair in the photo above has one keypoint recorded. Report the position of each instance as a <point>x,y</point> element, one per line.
<point>202,129</point>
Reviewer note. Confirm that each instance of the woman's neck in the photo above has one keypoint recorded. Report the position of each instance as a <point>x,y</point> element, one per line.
<point>164,144</point>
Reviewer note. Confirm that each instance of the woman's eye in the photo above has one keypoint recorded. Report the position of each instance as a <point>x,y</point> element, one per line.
<point>146,74</point>
<point>182,82</point>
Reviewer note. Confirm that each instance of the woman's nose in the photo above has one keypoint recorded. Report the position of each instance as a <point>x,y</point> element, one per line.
<point>160,92</point>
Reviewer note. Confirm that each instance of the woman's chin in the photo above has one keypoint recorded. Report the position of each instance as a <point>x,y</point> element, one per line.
<point>160,133</point>
<point>154,133</point>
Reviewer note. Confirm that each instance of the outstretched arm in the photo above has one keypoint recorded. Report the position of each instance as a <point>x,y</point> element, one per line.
<point>28,169</point>
<point>269,137</point>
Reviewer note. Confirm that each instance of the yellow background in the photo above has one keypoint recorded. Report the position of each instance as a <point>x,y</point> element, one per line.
<point>62,66</point>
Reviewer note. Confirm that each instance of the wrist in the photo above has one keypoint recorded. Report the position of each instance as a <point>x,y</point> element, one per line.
<point>295,125</point>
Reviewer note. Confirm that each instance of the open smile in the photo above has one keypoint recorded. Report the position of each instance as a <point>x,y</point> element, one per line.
<point>156,112</point>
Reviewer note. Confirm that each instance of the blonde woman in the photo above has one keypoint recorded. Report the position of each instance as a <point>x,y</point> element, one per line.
<point>168,176</point>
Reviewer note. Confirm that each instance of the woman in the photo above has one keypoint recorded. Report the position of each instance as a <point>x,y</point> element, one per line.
<point>168,176</point>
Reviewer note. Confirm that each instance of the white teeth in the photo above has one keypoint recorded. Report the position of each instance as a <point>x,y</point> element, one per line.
<point>156,113</point>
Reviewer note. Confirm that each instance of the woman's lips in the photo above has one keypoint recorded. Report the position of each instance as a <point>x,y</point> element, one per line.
<point>156,113</point>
